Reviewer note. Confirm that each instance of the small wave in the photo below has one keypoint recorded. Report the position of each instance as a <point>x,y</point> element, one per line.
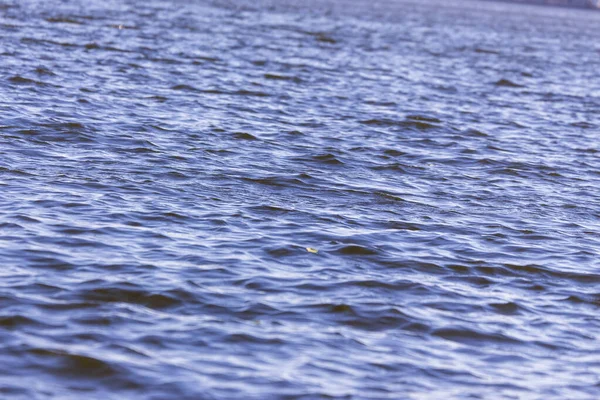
<point>30,40</point>
<point>322,37</point>
<point>44,71</point>
<point>63,20</point>
<point>276,77</point>
<point>328,159</point>
<point>19,80</point>
<point>71,364</point>
<point>508,83</point>
<point>244,136</point>
<point>473,337</point>
<point>356,250</point>
<point>251,93</point>
<point>17,322</point>
<point>590,299</point>
<point>184,87</point>
<point>418,122</point>
<point>246,338</point>
<point>485,51</point>
<point>371,317</point>
<point>204,59</point>
<point>277,181</point>
<point>96,46</point>
<point>508,308</point>
<point>153,300</point>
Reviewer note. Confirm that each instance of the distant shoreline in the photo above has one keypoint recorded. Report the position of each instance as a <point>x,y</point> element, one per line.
<point>589,4</point>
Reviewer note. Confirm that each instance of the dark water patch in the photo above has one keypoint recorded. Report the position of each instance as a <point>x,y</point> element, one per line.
<point>583,125</point>
<point>475,280</point>
<point>394,153</point>
<point>277,77</point>
<point>402,225</point>
<point>92,46</point>
<point>64,20</point>
<point>355,250</point>
<point>485,51</point>
<point>381,122</point>
<point>396,167</point>
<point>325,39</point>
<point>241,92</point>
<point>251,93</point>
<point>47,260</point>
<point>420,123</point>
<point>475,133</point>
<point>14,390</point>
<point>44,71</point>
<point>423,118</point>
<point>96,46</point>
<point>19,80</point>
<point>37,41</point>
<point>17,322</point>
<point>26,219</point>
<point>508,308</point>
<point>168,61</point>
<point>244,136</point>
<point>590,299</point>
<point>508,83</point>
<point>95,320</point>
<point>65,126</point>
<point>386,286</point>
<point>205,59</point>
<point>175,175</point>
<point>328,158</point>
<point>246,339</point>
<point>473,337</point>
<point>377,318</point>
<point>262,284</point>
<point>589,150</point>
<point>387,196</point>
<point>4,170</point>
<point>322,37</point>
<point>381,103</point>
<point>255,311</point>
<point>139,150</point>
<point>538,271</point>
<point>130,294</point>
<point>184,87</point>
<point>10,226</point>
<point>73,365</point>
<point>176,216</point>
<point>412,121</point>
<point>160,99</point>
<point>282,181</point>
<point>39,288</point>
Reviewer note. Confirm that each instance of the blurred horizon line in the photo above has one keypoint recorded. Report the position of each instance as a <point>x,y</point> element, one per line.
<point>592,4</point>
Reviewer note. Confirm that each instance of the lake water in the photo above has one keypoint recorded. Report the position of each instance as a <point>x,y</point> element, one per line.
<point>335,199</point>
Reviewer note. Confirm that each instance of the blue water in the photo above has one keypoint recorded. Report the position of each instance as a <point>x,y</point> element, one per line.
<point>335,199</point>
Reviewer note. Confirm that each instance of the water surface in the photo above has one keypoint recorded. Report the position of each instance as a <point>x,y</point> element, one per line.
<point>164,166</point>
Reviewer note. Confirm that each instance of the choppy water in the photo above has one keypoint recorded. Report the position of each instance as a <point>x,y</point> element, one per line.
<point>164,166</point>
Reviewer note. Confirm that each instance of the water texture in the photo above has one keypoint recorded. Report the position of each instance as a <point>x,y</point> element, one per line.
<point>164,166</point>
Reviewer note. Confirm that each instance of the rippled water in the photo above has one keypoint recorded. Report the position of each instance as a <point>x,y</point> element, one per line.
<point>164,166</point>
